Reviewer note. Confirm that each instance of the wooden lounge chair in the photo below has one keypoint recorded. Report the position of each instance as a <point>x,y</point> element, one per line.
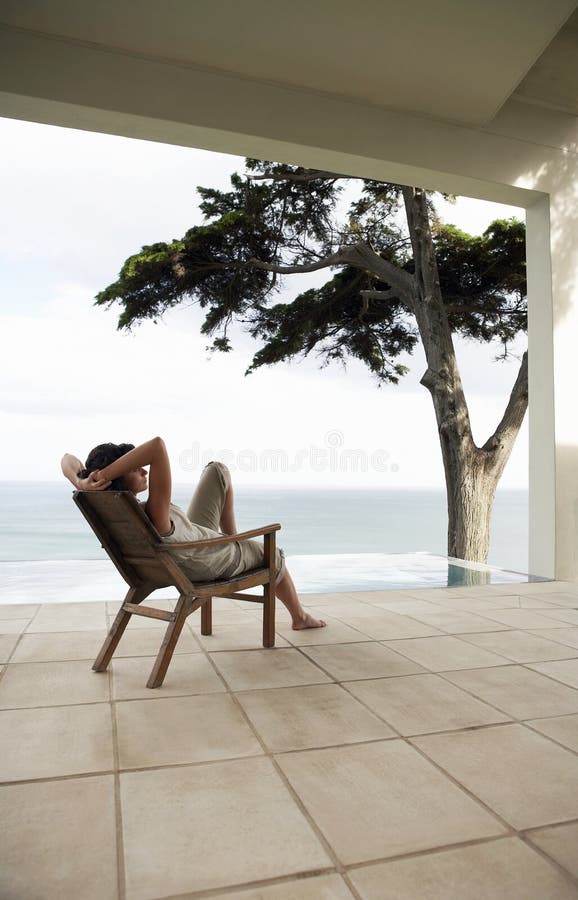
<point>145,562</point>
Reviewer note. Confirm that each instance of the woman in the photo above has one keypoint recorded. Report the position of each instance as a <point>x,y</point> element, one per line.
<point>211,512</point>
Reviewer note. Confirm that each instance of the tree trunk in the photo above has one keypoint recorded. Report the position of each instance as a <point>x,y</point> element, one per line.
<point>472,473</point>
<point>470,493</point>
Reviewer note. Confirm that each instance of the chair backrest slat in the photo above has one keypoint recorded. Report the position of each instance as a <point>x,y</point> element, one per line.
<point>124,530</point>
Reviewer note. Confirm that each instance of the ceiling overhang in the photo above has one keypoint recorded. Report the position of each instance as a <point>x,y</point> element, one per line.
<point>451,61</point>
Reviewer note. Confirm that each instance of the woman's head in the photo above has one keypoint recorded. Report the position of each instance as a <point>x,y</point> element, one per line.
<point>102,456</point>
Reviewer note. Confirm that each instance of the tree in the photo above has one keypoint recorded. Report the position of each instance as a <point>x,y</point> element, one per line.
<point>389,286</point>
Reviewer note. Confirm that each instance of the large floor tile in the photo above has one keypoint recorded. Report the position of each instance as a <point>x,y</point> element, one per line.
<point>563,729</point>
<point>227,616</point>
<point>69,617</point>
<point>334,599</point>
<point>58,740</point>
<point>238,637</point>
<point>518,691</point>
<point>247,605</point>
<point>543,603</point>
<point>257,669</point>
<point>182,730</point>
<point>564,599</point>
<point>51,684</point>
<point>314,716</point>
<point>17,610</point>
<point>567,636</point>
<point>383,799</point>
<point>522,776</point>
<point>408,607</point>
<point>348,609</point>
<point>335,632</point>
<point>564,616</point>
<point>346,662</point>
<point>392,626</point>
<point>478,605</point>
<point>320,887</point>
<point>13,626</point>
<point>59,840</point>
<point>147,642</point>
<point>541,588</point>
<point>51,647</point>
<point>492,589</point>
<point>441,654</point>
<point>454,622</point>
<point>437,595</point>
<point>505,869</point>
<point>564,670</point>
<point>187,674</point>
<point>195,828</point>
<point>388,596</point>
<point>560,843</point>
<point>7,644</point>
<point>416,704</point>
<point>525,618</point>
<point>521,646</point>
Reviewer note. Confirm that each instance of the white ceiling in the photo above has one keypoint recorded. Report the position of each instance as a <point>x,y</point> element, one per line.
<point>457,60</point>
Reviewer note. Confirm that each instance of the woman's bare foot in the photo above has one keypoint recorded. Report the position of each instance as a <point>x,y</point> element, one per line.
<point>307,621</point>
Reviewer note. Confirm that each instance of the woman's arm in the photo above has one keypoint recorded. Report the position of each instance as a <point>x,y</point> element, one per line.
<point>71,467</point>
<point>154,454</point>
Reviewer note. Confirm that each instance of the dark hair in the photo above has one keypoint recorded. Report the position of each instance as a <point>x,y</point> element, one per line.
<point>102,456</point>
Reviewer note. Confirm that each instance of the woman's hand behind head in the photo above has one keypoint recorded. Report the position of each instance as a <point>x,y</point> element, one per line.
<point>93,482</point>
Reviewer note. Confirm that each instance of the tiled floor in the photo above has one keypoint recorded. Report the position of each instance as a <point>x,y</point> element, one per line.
<point>424,746</point>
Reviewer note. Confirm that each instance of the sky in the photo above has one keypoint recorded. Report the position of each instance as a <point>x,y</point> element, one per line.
<point>74,206</point>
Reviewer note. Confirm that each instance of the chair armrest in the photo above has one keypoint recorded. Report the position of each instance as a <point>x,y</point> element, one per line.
<point>215,542</point>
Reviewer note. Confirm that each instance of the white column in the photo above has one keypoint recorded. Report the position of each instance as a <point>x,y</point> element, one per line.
<point>542,456</point>
<point>564,260</point>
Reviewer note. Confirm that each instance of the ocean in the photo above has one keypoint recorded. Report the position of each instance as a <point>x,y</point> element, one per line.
<point>39,521</point>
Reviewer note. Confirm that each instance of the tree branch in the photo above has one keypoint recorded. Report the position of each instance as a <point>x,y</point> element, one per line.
<point>379,295</point>
<point>298,177</point>
<point>362,255</point>
<point>335,260</point>
<point>480,310</point>
<point>505,434</point>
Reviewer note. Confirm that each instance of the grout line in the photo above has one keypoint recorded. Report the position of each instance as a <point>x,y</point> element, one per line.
<point>121,877</point>
<point>433,851</point>
<point>245,887</point>
<point>462,787</point>
<point>20,636</point>
<point>90,659</point>
<point>549,737</point>
<point>526,838</point>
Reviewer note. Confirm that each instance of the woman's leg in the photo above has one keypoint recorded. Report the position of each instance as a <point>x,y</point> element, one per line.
<point>210,496</point>
<point>227,523</point>
<point>214,499</point>
<point>285,590</point>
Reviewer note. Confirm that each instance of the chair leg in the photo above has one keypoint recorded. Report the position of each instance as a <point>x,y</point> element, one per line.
<point>134,595</point>
<point>269,615</point>
<point>207,616</point>
<point>169,643</point>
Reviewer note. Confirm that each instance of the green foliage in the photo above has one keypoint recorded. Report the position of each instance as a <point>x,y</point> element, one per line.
<point>287,216</point>
<point>331,320</point>
<point>483,280</point>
